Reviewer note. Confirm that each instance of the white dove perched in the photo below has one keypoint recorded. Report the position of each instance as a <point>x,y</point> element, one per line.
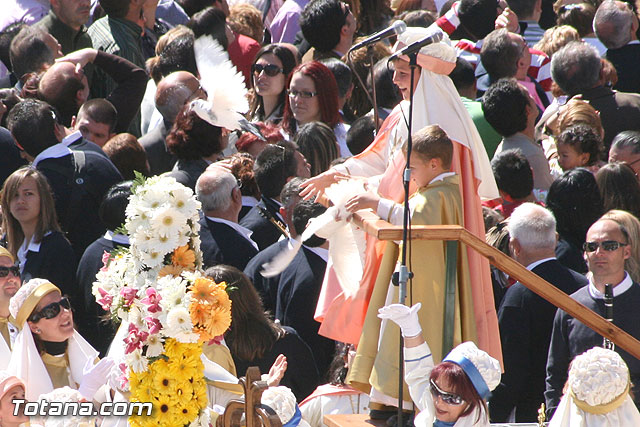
<point>226,92</point>
<point>346,241</point>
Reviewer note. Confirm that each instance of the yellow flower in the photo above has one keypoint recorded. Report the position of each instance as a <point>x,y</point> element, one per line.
<point>170,270</point>
<point>182,371</point>
<point>185,413</point>
<point>172,348</point>
<point>184,257</point>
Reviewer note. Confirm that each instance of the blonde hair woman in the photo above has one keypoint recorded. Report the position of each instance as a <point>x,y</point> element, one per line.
<point>632,225</point>
<point>33,235</point>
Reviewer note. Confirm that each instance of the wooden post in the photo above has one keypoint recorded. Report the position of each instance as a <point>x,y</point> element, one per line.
<point>383,230</point>
<point>256,414</point>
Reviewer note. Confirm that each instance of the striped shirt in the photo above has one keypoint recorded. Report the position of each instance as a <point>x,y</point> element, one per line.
<point>540,69</point>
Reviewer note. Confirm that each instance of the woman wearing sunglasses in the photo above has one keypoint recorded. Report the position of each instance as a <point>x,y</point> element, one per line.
<point>11,388</point>
<point>313,97</point>
<point>33,235</point>
<point>269,74</point>
<point>48,353</point>
<point>452,393</point>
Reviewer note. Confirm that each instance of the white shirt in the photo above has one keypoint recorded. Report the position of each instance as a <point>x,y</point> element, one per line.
<point>25,248</point>
<point>618,289</point>
<point>245,232</point>
<point>392,212</point>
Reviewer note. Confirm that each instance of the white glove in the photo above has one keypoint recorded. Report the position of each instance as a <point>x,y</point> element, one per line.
<point>95,376</point>
<point>403,316</point>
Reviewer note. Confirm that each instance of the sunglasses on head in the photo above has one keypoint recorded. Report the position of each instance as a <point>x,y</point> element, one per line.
<point>448,398</point>
<point>607,245</point>
<point>270,70</point>
<point>50,311</point>
<point>14,269</point>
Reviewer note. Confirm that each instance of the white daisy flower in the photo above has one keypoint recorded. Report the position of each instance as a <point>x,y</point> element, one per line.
<point>167,221</point>
<point>154,346</point>
<point>178,322</point>
<point>136,361</point>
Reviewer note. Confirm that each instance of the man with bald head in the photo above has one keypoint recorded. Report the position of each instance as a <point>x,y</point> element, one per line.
<point>616,24</point>
<point>224,241</point>
<point>171,94</point>
<point>65,87</point>
<point>9,284</point>
<point>606,249</point>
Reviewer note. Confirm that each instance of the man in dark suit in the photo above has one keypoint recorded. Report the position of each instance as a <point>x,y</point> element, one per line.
<point>576,70</point>
<point>224,241</point>
<point>274,167</point>
<point>88,314</point>
<point>78,179</point>
<point>615,25</point>
<point>267,287</point>
<point>299,287</point>
<point>526,319</point>
<point>171,94</point>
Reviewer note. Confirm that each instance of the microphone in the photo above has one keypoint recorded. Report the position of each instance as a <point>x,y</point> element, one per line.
<point>398,27</point>
<point>416,46</point>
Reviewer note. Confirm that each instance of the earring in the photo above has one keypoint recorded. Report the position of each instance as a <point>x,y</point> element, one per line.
<point>38,331</point>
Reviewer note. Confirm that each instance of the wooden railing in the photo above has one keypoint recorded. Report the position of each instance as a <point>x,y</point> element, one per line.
<point>383,230</point>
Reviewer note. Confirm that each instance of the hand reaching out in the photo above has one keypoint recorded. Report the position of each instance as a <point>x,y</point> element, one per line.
<point>368,200</point>
<point>277,371</point>
<point>404,316</point>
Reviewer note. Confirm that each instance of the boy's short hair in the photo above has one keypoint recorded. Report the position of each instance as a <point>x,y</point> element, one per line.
<point>513,173</point>
<point>431,142</point>
<point>101,111</point>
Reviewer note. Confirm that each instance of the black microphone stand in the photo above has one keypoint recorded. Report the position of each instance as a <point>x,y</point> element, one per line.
<point>404,275</point>
<point>374,99</point>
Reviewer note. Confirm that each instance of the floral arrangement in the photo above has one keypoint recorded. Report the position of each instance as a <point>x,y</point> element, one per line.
<point>156,288</point>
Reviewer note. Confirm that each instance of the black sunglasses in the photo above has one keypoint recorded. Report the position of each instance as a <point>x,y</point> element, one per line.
<point>448,398</point>
<point>15,270</point>
<point>270,70</point>
<point>50,311</point>
<point>607,245</point>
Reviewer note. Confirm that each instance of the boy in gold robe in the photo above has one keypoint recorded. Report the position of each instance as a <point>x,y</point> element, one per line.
<point>437,201</point>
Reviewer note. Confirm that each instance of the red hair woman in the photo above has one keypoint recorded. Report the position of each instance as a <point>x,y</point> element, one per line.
<point>313,97</point>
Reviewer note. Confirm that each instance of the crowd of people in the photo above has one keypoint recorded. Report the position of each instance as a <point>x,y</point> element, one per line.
<point>525,130</point>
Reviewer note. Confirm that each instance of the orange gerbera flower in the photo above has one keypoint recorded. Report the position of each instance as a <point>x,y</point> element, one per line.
<point>219,321</point>
<point>184,257</point>
<point>204,290</point>
<point>199,313</point>
<point>170,270</point>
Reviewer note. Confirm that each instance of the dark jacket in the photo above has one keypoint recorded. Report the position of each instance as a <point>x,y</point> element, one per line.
<point>526,321</point>
<point>77,205</point>
<point>221,244</point>
<point>626,60</point>
<point>55,261</point>
<point>89,315</point>
<point>265,232</point>
<point>160,160</point>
